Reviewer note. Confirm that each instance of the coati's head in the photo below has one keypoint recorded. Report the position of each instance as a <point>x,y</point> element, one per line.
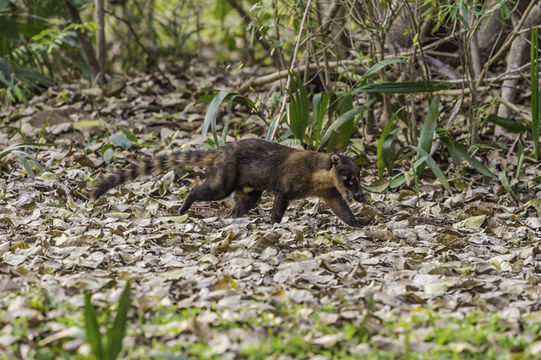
<point>347,174</point>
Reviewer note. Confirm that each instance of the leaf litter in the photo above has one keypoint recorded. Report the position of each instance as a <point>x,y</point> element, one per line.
<point>476,250</point>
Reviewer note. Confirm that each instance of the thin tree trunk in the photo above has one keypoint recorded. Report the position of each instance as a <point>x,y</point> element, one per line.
<point>86,47</point>
<point>100,17</point>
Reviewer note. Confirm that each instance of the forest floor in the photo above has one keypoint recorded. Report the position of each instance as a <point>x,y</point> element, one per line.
<point>435,274</point>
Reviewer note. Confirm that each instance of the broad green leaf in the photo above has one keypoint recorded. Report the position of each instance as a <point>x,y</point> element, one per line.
<point>508,124</point>
<point>121,140</point>
<point>108,155</point>
<point>129,135</point>
<point>92,329</point>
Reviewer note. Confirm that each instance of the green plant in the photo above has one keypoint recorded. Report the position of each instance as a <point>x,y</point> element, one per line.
<point>26,159</point>
<point>114,333</point>
<point>215,98</point>
<point>122,141</point>
<point>314,131</point>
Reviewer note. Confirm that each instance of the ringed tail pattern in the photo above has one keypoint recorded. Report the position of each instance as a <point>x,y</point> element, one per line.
<point>152,166</point>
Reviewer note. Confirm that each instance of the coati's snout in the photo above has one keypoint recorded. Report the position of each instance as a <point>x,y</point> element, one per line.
<point>347,174</point>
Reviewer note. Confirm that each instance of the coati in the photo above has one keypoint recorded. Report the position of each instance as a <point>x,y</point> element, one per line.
<point>247,167</point>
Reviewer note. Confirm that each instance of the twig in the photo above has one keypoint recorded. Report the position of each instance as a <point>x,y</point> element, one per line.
<point>291,67</point>
<point>246,18</point>
<point>508,42</point>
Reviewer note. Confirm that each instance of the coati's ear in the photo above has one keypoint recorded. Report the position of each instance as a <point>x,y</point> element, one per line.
<point>335,160</point>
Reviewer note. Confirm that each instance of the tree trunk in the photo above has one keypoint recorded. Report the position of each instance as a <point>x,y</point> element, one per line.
<point>86,47</point>
<point>100,18</point>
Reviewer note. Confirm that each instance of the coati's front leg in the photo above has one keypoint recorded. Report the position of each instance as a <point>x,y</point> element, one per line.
<point>340,207</point>
<point>279,207</point>
<point>244,201</point>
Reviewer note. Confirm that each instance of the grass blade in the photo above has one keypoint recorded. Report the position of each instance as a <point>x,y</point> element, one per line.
<point>433,166</point>
<point>320,104</point>
<point>458,151</point>
<point>92,329</point>
<point>404,87</point>
<point>520,155</point>
<point>384,160</point>
<point>116,333</point>
<point>298,106</point>
<point>210,116</point>
<point>380,65</point>
<point>345,118</point>
<point>22,158</point>
<point>508,124</point>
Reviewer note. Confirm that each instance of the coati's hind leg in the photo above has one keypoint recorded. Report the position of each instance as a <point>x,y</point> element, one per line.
<point>218,184</point>
<point>340,207</point>
<point>244,201</point>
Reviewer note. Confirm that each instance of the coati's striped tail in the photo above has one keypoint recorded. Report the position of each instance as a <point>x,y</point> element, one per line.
<point>151,166</point>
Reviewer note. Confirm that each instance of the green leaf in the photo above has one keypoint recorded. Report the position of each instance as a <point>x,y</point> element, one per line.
<point>504,179</point>
<point>22,158</point>
<point>130,136</point>
<point>508,124</point>
<point>404,87</point>
<point>345,118</point>
<point>458,152</point>
<point>3,4</point>
<point>108,155</point>
<point>320,104</point>
<point>386,148</point>
<point>116,333</point>
<point>520,155</point>
<point>427,132</point>
<point>381,161</point>
<point>380,65</point>
<point>210,116</point>
<point>298,115</point>
<point>433,166</point>
<point>121,140</point>
<point>431,120</point>
<point>92,329</point>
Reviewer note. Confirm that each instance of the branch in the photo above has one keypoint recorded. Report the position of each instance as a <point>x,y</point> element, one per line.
<point>508,42</point>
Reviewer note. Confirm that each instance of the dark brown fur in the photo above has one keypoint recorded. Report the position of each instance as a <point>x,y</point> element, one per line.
<point>248,167</point>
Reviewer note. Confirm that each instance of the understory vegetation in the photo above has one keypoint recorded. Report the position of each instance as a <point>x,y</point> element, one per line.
<point>438,102</point>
